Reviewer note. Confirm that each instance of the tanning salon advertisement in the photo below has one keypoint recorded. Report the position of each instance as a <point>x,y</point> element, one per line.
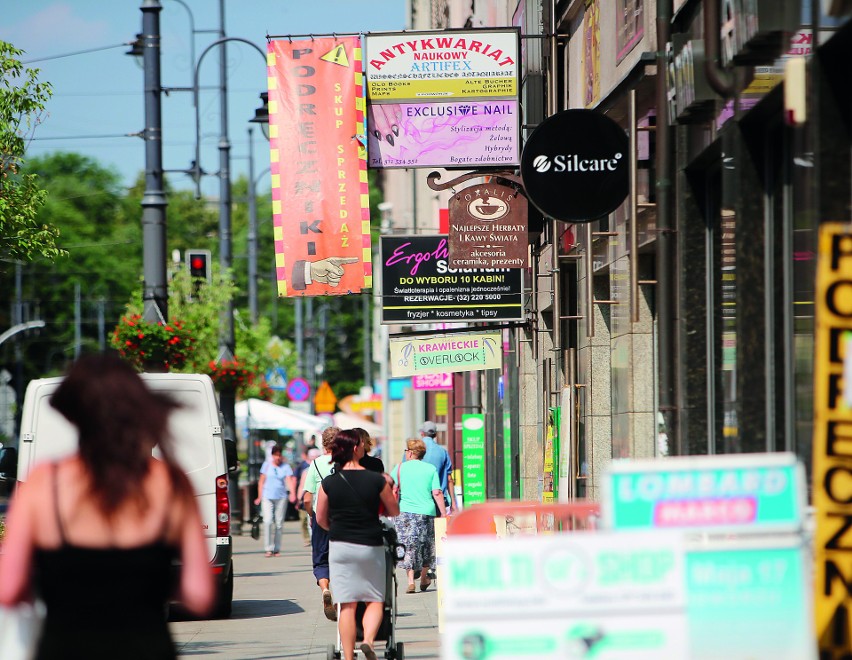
<point>418,286</point>
<point>443,99</point>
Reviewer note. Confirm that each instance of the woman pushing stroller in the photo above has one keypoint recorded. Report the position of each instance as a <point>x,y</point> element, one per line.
<point>348,507</point>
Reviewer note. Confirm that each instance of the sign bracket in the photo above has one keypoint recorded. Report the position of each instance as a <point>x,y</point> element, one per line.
<point>434,177</point>
<point>456,331</point>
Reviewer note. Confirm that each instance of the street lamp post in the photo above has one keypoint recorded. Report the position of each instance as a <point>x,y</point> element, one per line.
<point>154,287</point>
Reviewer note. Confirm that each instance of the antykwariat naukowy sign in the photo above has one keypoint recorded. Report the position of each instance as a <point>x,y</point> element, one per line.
<point>447,353</point>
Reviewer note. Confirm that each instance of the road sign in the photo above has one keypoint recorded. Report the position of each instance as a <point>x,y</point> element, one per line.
<point>298,389</point>
<point>324,400</point>
<point>276,378</point>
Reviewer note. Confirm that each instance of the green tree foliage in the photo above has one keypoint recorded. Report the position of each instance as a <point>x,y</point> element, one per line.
<point>24,234</point>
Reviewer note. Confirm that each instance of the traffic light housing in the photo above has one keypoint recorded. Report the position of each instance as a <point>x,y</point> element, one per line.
<point>198,263</point>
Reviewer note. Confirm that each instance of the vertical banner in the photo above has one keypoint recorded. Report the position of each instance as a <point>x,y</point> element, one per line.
<point>832,461</point>
<point>473,458</point>
<point>320,197</point>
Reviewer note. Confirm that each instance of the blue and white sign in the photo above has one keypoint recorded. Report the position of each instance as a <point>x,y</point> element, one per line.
<point>276,378</point>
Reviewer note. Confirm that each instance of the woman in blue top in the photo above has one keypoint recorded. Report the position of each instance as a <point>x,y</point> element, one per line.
<point>420,495</point>
<point>275,487</point>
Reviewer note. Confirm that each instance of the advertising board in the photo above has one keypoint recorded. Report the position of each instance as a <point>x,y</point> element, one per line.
<point>411,356</point>
<point>441,65</point>
<point>418,286</point>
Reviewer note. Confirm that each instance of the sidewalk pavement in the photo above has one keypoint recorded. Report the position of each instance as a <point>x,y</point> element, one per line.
<point>278,611</point>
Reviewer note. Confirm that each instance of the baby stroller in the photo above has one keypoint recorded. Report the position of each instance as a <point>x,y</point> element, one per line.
<point>394,552</point>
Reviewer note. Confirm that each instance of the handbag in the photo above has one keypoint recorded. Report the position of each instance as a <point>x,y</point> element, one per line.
<point>397,487</point>
<point>255,526</point>
<point>20,629</point>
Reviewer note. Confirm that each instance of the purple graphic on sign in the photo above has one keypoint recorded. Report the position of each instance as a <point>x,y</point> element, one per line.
<point>443,134</point>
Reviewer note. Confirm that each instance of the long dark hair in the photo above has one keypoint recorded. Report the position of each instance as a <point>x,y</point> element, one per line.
<point>119,421</point>
<point>343,447</point>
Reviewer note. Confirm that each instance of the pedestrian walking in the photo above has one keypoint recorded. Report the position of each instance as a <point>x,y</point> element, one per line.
<point>367,461</point>
<point>420,498</point>
<point>299,474</point>
<point>94,535</point>
<point>321,467</point>
<point>440,458</point>
<point>275,488</point>
<point>348,507</point>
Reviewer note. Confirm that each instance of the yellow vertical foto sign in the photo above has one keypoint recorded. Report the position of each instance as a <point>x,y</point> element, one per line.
<point>832,444</point>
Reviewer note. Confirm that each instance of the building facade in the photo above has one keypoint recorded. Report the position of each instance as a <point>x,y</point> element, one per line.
<point>682,323</point>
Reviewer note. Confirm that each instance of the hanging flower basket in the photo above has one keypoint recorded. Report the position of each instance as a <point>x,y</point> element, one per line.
<point>232,375</point>
<point>153,346</point>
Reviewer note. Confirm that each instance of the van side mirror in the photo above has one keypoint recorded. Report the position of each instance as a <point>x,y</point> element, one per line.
<point>231,457</point>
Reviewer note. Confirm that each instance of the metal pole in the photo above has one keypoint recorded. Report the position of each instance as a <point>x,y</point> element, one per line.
<point>300,336</point>
<point>154,287</point>
<point>252,233</point>
<point>634,209</point>
<point>368,358</point>
<point>666,301</point>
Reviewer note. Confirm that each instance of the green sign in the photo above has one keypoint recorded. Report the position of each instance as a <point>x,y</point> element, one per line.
<point>749,603</point>
<point>760,492</point>
<point>473,458</point>
<point>507,456</point>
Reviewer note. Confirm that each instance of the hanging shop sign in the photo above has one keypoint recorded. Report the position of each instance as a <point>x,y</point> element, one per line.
<point>831,441</point>
<point>320,195</point>
<point>473,458</point>
<point>757,492</point>
<point>418,285</point>
<point>475,133</point>
<point>437,381</point>
<point>575,166</point>
<point>411,356</point>
<point>488,227</point>
<point>756,31</point>
<point>691,99</point>
<point>439,65</point>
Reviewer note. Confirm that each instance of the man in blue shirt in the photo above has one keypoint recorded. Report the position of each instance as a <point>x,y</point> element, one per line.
<point>440,458</point>
<point>275,486</point>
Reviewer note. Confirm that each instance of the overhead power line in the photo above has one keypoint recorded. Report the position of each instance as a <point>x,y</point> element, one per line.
<point>78,52</point>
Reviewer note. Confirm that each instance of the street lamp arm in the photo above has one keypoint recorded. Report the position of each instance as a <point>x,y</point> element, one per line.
<point>195,91</point>
<point>21,327</point>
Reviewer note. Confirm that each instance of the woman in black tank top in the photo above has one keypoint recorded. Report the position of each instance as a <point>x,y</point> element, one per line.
<point>94,535</point>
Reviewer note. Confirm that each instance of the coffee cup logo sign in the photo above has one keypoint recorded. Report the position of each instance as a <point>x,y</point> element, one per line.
<point>575,166</point>
<point>488,228</point>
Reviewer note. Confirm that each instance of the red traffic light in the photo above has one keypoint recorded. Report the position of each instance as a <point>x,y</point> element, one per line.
<point>198,262</point>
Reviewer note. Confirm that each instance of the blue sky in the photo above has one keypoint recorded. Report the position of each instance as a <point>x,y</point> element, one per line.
<point>100,93</point>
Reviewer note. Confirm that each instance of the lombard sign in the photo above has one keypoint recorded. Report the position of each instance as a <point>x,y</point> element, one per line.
<point>575,166</point>
<point>488,228</point>
<point>743,492</point>
<point>418,285</point>
<point>447,353</point>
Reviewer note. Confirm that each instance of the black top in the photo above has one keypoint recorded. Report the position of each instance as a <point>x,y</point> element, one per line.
<point>372,463</point>
<point>354,506</point>
<point>97,597</point>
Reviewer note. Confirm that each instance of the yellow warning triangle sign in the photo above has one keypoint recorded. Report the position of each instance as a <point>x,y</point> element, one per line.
<point>324,399</point>
<point>337,55</point>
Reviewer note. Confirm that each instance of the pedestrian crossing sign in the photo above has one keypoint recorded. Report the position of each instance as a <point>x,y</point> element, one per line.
<point>276,378</point>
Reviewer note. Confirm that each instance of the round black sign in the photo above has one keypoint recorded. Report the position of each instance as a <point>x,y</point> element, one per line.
<point>575,166</point>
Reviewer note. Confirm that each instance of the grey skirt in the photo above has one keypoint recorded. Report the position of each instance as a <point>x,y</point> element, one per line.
<point>357,572</point>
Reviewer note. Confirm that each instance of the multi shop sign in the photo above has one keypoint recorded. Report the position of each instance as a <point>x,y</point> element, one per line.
<point>575,166</point>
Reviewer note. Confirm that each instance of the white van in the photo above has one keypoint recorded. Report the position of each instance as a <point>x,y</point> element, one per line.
<point>46,435</point>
